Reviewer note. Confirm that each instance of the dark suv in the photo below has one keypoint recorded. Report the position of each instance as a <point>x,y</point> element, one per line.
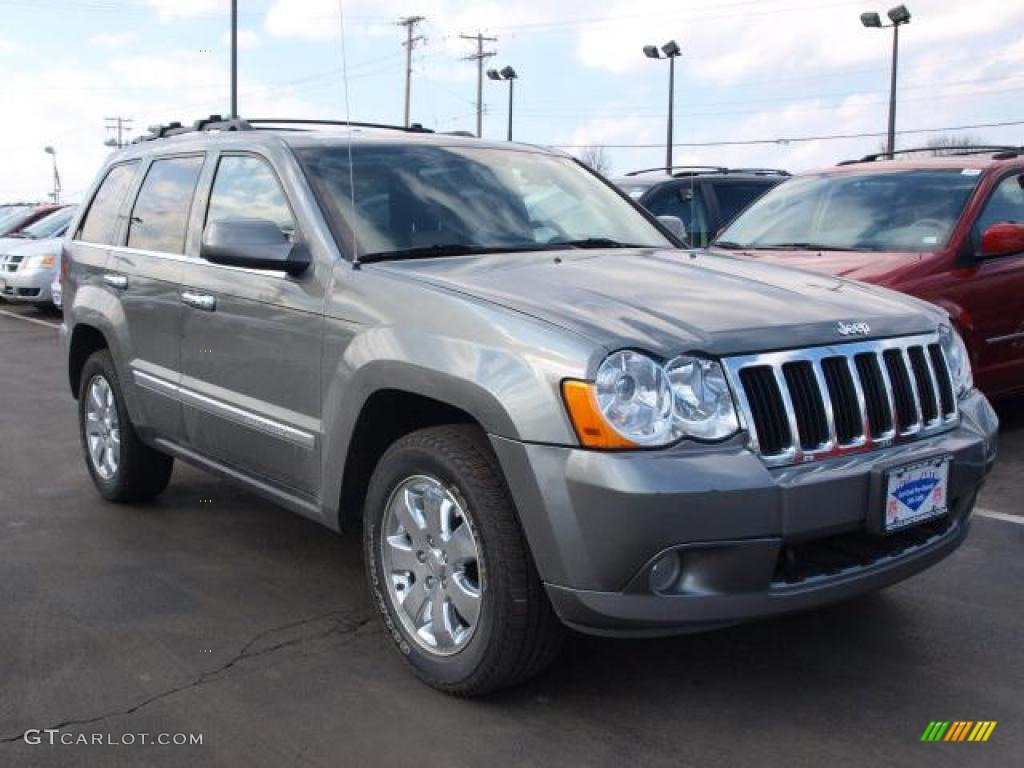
<point>704,198</point>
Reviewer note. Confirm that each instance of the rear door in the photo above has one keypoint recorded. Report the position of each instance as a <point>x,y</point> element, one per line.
<point>143,272</point>
<point>251,341</point>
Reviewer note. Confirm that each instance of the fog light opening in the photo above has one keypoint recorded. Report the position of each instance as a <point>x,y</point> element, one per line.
<point>664,573</point>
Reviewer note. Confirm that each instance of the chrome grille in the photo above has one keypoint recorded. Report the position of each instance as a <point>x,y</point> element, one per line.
<point>805,404</point>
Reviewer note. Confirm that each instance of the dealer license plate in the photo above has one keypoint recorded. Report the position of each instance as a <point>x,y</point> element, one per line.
<point>916,492</point>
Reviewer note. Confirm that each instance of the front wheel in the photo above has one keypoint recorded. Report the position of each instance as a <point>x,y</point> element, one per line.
<point>449,567</point>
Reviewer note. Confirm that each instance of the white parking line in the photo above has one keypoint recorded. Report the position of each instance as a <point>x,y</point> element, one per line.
<point>1018,519</point>
<point>29,319</point>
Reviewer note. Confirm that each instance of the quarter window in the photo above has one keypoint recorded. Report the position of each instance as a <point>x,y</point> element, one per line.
<point>160,217</point>
<point>98,226</point>
<point>246,188</point>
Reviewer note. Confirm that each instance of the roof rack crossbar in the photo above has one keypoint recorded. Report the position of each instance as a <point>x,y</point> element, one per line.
<point>946,152</point>
<point>219,123</point>
<point>697,168</point>
<point>412,128</point>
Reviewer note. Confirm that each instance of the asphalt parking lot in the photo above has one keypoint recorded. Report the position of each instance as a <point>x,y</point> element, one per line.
<point>212,612</point>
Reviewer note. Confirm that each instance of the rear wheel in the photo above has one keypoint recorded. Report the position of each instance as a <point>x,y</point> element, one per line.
<point>449,567</point>
<point>123,468</point>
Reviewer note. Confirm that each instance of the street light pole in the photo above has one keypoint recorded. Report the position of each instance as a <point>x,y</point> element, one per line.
<point>56,176</point>
<point>898,16</point>
<point>671,50</point>
<point>509,74</point>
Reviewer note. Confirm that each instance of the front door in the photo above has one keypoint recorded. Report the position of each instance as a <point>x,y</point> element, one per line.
<point>251,343</point>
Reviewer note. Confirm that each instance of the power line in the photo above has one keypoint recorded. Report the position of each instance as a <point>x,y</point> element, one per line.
<point>793,139</point>
<point>118,126</point>
<point>479,57</point>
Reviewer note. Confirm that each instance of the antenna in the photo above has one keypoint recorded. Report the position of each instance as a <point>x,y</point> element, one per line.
<point>348,122</point>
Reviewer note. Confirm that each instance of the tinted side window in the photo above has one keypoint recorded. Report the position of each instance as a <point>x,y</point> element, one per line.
<point>685,202</point>
<point>1005,205</point>
<point>734,197</point>
<point>246,188</point>
<point>160,216</point>
<point>98,225</point>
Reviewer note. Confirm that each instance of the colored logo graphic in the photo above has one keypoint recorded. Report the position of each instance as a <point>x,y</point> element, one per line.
<point>958,730</point>
<point>915,493</point>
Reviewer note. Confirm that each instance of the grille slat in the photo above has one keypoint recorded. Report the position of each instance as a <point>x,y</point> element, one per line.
<point>804,404</point>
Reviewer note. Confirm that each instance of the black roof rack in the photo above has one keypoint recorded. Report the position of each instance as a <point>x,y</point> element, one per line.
<point>218,123</point>
<point>678,171</point>
<point>999,152</point>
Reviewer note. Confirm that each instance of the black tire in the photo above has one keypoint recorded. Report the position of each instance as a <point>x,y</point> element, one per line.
<point>142,472</point>
<point>517,633</point>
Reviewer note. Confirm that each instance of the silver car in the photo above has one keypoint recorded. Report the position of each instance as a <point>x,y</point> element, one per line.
<point>535,406</point>
<point>30,263</point>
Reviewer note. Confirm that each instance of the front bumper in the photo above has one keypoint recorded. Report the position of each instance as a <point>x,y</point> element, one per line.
<point>27,285</point>
<point>751,541</point>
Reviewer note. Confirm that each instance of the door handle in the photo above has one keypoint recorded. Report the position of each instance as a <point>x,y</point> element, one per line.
<point>203,301</point>
<point>116,281</point>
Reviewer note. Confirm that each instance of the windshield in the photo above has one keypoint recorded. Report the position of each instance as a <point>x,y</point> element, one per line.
<point>889,211</point>
<point>436,201</point>
<point>12,216</point>
<point>50,226</point>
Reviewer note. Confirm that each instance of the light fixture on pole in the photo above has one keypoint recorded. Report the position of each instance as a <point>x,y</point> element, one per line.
<point>509,74</point>
<point>56,176</point>
<point>898,16</point>
<point>670,50</point>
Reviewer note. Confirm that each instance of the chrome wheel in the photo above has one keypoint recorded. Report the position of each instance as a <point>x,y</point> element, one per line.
<point>431,565</point>
<point>102,428</point>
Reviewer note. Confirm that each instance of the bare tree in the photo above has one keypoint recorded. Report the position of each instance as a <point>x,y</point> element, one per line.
<point>596,158</point>
<point>950,144</point>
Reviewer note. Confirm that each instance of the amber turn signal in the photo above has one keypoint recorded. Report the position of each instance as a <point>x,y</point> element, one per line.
<point>591,427</point>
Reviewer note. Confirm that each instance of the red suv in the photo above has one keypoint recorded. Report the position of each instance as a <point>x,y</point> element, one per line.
<point>946,229</point>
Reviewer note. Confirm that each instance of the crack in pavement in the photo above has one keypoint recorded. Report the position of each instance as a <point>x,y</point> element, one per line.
<point>341,626</point>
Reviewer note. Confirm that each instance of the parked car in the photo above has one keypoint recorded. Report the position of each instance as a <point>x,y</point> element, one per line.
<point>30,263</point>
<point>16,217</point>
<point>704,198</point>
<point>946,229</point>
<point>536,417</point>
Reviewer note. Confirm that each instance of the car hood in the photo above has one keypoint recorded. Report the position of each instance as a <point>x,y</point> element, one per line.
<point>672,301</point>
<point>874,267</point>
<point>27,247</point>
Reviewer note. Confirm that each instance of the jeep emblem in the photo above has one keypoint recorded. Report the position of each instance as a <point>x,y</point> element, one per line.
<point>853,329</point>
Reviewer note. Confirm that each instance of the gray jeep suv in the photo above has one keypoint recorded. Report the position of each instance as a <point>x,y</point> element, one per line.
<point>540,409</point>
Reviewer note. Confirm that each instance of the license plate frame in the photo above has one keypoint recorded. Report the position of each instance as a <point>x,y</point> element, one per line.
<point>914,493</point>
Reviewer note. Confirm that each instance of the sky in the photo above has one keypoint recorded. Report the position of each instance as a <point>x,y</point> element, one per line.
<point>764,72</point>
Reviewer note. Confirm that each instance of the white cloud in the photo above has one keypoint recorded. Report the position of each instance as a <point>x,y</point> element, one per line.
<point>112,40</point>
<point>187,9</point>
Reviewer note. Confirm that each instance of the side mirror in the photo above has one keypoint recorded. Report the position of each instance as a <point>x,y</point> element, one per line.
<point>674,225</point>
<point>252,243</point>
<point>1002,240</point>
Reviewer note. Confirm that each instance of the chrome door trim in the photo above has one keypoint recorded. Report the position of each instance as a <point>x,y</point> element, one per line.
<point>215,407</point>
<point>1008,337</point>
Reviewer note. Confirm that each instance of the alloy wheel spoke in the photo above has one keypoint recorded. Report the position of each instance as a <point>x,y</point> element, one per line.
<point>92,425</point>
<point>461,547</point>
<point>403,557</point>
<point>441,620</point>
<point>415,602</point>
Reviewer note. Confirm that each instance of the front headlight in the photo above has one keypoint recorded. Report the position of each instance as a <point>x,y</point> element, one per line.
<point>635,401</point>
<point>40,261</point>
<point>959,361</point>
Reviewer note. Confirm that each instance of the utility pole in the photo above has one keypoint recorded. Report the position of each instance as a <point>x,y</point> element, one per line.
<point>234,59</point>
<point>409,22</point>
<point>479,57</point>
<point>120,126</point>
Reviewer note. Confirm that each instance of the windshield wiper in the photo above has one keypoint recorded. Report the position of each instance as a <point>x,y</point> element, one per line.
<point>729,244</point>
<point>448,249</point>
<point>597,242</point>
<point>804,247</point>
